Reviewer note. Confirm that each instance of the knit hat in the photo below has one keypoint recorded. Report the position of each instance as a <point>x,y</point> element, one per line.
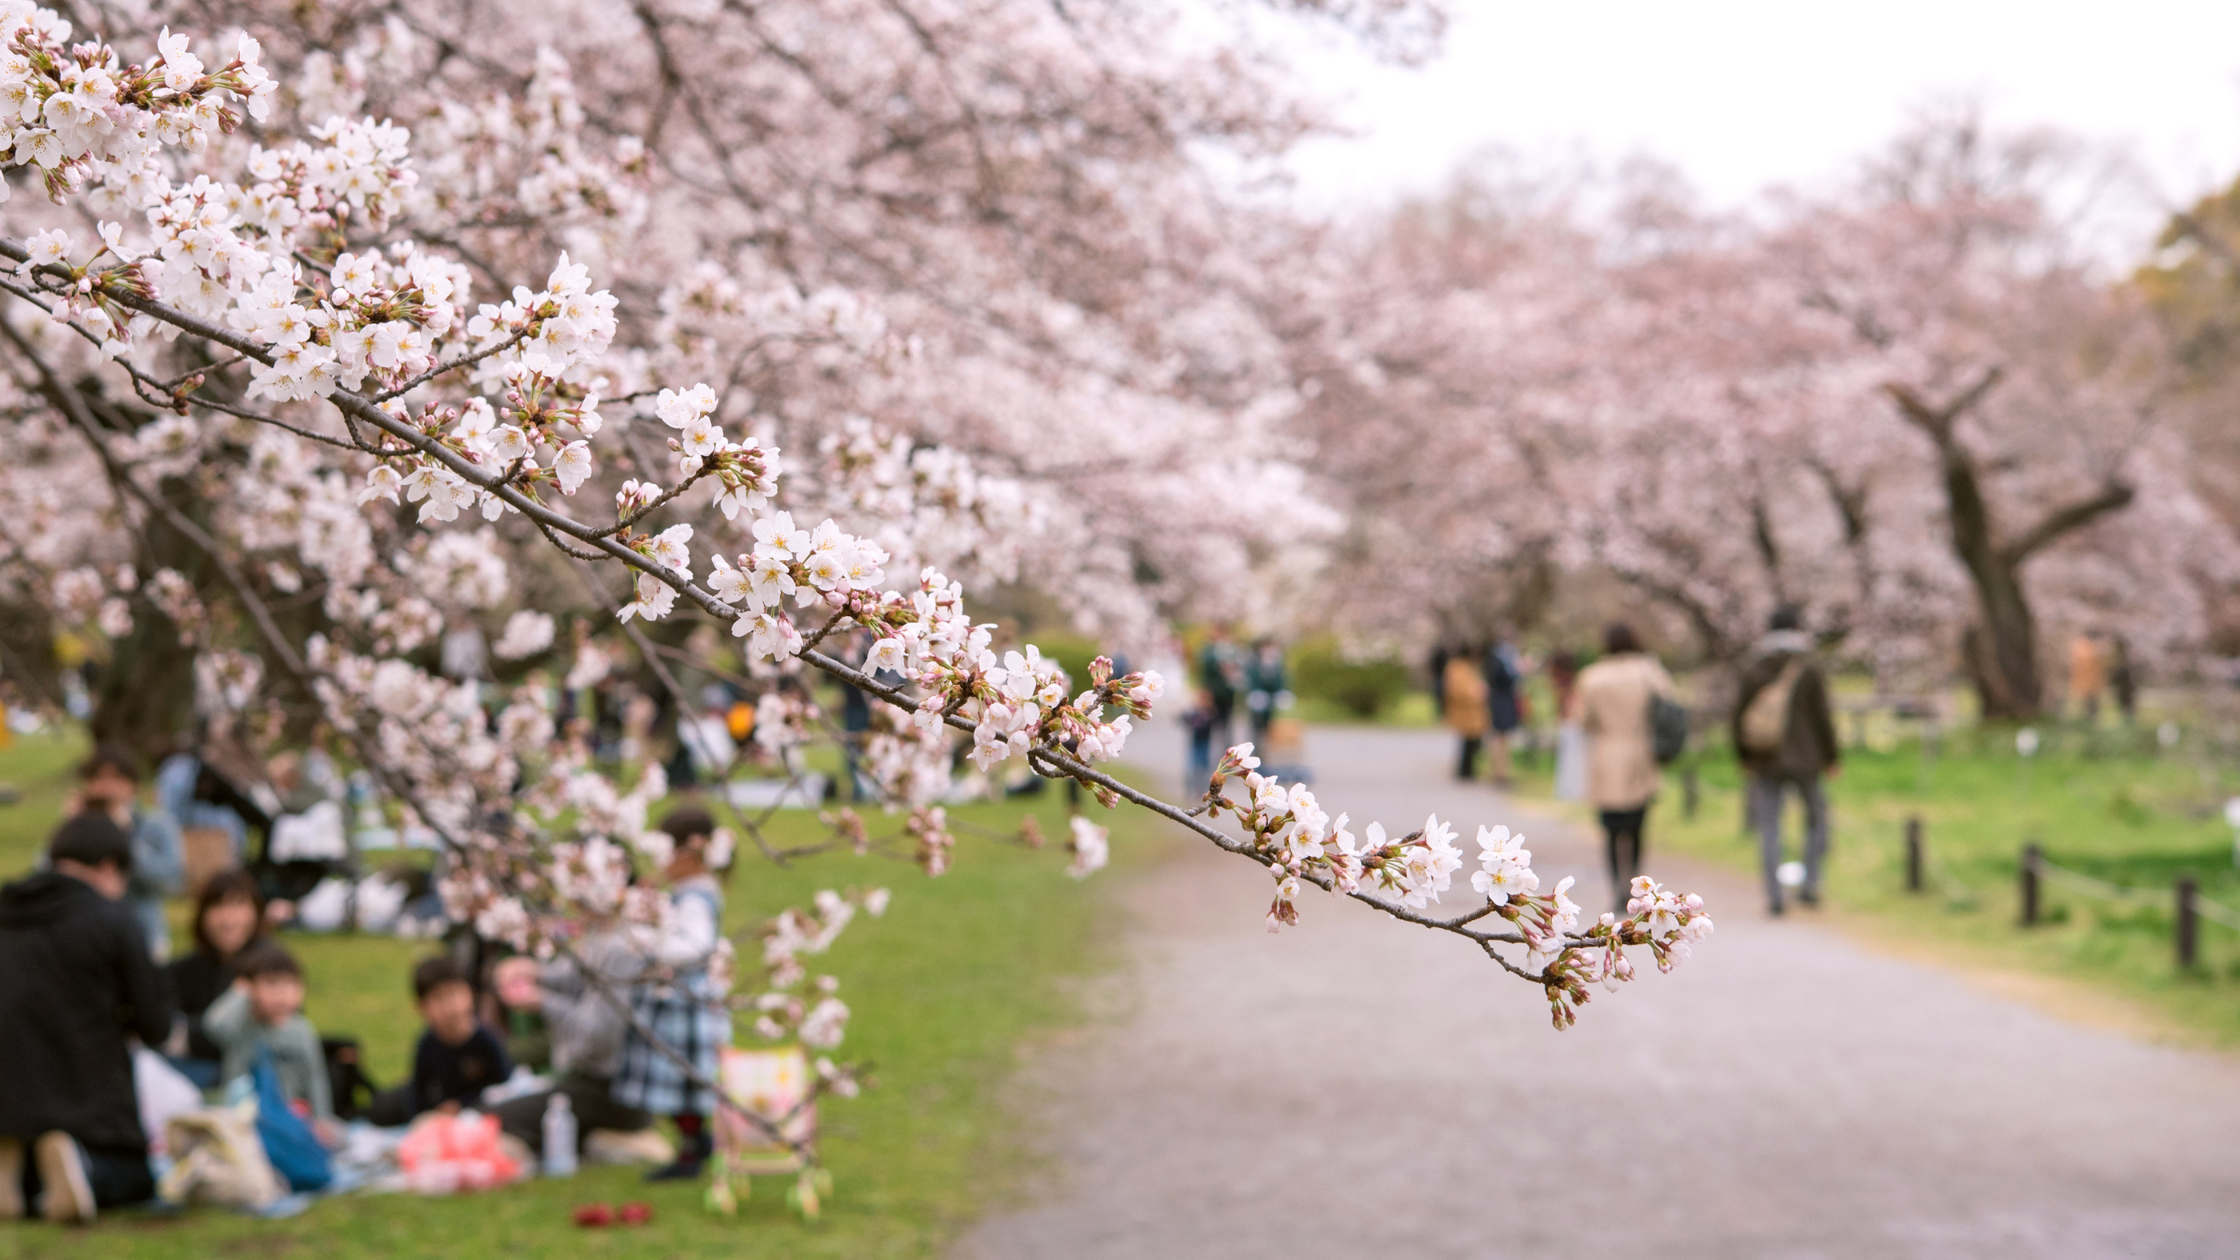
<point>91,839</point>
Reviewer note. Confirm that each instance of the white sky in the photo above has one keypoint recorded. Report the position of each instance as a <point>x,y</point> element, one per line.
<point>1740,94</point>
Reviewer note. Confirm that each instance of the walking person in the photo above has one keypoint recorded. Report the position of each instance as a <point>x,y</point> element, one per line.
<point>1221,673</point>
<point>1198,720</point>
<point>1622,771</point>
<point>2088,677</point>
<point>76,984</point>
<point>1504,703</point>
<point>1269,688</point>
<point>1785,737</point>
<point>2123,680</point>
<point>1462,689</point>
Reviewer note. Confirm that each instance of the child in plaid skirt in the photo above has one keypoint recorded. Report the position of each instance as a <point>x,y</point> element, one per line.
<point>676,1001</point>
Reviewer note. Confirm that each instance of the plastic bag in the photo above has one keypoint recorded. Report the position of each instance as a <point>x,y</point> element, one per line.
<point>380,903</point>
<point>326,908</point>
<point>315,835</point>
<point>162,1092</point>
<point>447,1154</point>
<point>217,1158</point>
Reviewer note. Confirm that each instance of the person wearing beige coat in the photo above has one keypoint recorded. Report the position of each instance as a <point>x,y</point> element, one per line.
<point>1622,772</point>
<point>1462,688</point>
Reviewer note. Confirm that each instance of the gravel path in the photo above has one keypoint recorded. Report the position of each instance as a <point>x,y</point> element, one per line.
<point>1355,1088</point>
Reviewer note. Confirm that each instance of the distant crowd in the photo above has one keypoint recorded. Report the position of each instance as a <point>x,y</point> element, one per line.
<point>1619,724</point>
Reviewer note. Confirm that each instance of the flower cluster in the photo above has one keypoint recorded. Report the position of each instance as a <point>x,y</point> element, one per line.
<point>1091,847</point>
<point>1288,830</point>
<point>928,825</point>
<point>792,1003</point>
<point>1665,921</point>
<point>822,567</point>
<point>68,110</point>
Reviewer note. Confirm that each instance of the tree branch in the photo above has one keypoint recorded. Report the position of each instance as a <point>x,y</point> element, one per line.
<point>2113,497</point>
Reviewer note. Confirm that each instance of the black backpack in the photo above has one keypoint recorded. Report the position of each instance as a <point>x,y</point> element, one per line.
<point>1668,728</point>
<point>347,1082</point>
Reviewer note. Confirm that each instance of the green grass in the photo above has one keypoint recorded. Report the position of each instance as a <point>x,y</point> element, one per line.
<point>1412,708</point>
<point>2104,804</point>
<point>945,987</point>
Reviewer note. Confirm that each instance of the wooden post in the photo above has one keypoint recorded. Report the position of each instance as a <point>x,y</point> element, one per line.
<point>2030,857</point>
<point>2189,924</point>
<point>1691,791</point>
<point>1913,853</point>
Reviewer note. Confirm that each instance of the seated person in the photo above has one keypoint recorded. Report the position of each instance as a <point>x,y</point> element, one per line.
<point>263,1010</point>
<point>76,983</point>
<point>109,783</point>
<point>587,1029</point>
<point>517,1012</point>
<point>457,1057</point>
<point>228,918</point>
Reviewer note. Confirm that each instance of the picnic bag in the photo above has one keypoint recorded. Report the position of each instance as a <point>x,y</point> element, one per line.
<point>216,1158</point>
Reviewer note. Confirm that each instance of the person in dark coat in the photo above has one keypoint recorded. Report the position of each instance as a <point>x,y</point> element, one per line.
<point>1504,703</point>
<point>76,984</point>
<point>1785,736</point>
<point>1269,687</point>
<point>1221,673</point>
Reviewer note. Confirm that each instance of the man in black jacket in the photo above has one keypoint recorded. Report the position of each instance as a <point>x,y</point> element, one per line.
<point>75,983</point>
<point>1786,739</point>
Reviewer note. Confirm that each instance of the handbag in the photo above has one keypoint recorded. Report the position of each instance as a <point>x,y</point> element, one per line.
<point>1668,728</point>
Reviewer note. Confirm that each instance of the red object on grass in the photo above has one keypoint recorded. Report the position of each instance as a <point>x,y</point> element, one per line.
<point>637,1214</point>
<point>594,1215</point>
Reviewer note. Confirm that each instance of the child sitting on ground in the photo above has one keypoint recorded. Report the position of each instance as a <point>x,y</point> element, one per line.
<point>263,1010</point>
<point>675,999</point>
<point>457,1057</point>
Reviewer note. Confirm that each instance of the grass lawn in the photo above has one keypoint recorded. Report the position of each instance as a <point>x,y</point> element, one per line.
<point>944,988</point>
<point>2108,805</point>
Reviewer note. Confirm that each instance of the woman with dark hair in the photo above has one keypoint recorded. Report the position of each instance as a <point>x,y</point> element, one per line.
<point>228,918</point>
<point>1622,772</point>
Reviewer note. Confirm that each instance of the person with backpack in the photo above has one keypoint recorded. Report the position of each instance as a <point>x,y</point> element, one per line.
<point>1618,698</point>
<point>1785,737</point>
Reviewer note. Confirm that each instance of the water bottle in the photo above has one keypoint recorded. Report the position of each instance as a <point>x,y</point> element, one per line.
<point>559,1137</point>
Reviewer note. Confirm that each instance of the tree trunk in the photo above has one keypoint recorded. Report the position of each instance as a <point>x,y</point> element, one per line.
<point>143,695</point>
<point>2001,649</point>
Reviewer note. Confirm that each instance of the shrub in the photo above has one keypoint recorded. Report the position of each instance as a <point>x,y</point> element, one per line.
<point>1363,686</point>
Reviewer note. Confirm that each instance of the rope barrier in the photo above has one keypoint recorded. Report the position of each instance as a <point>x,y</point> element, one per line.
<point>2216,913</point>
<point>2079,882</point>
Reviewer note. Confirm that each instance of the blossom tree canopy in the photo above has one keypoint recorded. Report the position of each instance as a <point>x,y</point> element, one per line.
<point>296,398</point>
<point>1917,408</point>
